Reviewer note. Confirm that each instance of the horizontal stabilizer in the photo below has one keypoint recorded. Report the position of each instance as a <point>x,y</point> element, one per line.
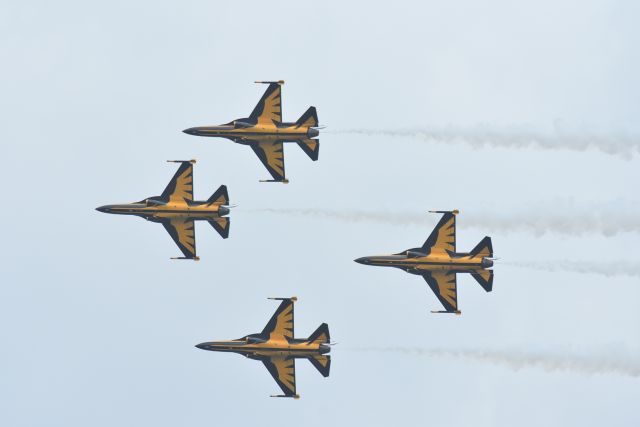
<point>322,363</point>
<point>221,225</point>
<point>311,147</point>
<point>308,119</point>
<point>220,197</point>
<point>482,249</point>
<point>320,336</point>
<point>485,278</point>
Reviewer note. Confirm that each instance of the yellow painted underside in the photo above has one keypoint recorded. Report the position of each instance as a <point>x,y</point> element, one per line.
<point>268,348</point>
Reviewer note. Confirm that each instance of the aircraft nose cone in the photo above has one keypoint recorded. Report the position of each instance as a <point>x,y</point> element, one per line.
<point>364,260</point>
<point>104,209</point>
<point>190,131</point>
<point>201,346</point>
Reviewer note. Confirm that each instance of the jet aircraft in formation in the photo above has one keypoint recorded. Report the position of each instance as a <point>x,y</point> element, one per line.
<point>276,347</point>
<point>265,132</point>
<point>176,210</point>
<point>438,262</point>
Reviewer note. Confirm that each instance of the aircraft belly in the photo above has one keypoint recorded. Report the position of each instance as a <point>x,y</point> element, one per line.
<point>284,353</point>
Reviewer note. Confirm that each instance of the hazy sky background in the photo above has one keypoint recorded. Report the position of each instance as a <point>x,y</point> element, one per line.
<point>98,325</point>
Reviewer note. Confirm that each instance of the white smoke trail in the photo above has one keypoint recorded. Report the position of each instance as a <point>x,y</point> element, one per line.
<point>559,221</point>
<point>622,145</point>
<point>589,365</point>
<point>608,269</point>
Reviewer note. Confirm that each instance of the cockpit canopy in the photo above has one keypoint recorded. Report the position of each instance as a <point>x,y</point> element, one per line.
<point>153,202</point>
<point>238,124</point>
<point>414,254</point>
<point>253,339</point>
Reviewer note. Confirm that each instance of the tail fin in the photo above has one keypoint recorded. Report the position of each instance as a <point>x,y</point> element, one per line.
<point>482,249</point>
<point>220,197</point>
<point>320,336</point>
<point>311,147</point>
<point>485,278</point>
<point>322,363</point>
<point>308,119</point>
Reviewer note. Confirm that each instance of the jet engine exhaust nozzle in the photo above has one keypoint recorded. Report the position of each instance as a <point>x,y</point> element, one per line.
<point>325,348</point>
<point>486,263</point>
<point>313,133</point>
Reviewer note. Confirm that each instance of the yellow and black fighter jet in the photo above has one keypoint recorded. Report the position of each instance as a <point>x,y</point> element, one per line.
<point>265,132</point>
<point>438,262</point>
<point>276,347</point>
<point>176,210</point>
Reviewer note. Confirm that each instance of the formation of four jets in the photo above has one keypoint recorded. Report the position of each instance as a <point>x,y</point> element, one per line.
<point>264,131</point>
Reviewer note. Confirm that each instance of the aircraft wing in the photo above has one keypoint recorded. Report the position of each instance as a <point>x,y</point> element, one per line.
<point>269,108</point>
<point>283,370</point>
<point>271,154</point>
<point>281,323</point>
<point>181,185</point>
<point>444,285</point>
<point>443,237</point>
<point>183,233</point>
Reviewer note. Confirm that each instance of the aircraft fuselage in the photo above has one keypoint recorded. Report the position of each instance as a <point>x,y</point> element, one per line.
<point>293,348</point>
<point>416,264</point>
<point>280,131</point>
<point>193,210</point>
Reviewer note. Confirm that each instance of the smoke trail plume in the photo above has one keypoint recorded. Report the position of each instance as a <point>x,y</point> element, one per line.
<point>608,269</point>
<point>515,360</point>
<point>587,221</point>
<point>624,146</point>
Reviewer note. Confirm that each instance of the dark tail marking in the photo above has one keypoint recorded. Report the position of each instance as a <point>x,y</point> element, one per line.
<point>220,196</point>
<point>308,119</point>
<point>482,249</point>
<point>321,335</point>
<point>322,363</point>
<point>311,147</point>
<point>485,278</point>
<point>221,225</point>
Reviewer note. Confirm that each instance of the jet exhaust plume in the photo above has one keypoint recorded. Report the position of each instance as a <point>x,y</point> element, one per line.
<point>559,221</point>
<point>517,360</point>
<point>625,146</point>
<point>608,269</point>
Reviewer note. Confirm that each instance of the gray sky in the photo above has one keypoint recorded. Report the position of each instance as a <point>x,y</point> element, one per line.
<point>98,325</point>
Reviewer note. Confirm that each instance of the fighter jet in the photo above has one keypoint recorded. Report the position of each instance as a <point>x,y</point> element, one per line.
<point>265,132</point>
<point>438,262</point>
<point>276,347</point>
<point>176,210</point>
